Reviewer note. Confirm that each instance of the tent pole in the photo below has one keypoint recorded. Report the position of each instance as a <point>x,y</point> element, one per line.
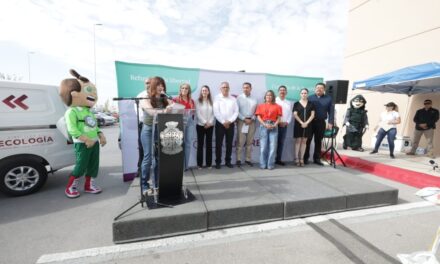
<point>405,128</point>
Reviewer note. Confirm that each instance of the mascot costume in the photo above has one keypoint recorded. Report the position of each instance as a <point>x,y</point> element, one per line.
<point>79,94</point>
<point>356,120</point>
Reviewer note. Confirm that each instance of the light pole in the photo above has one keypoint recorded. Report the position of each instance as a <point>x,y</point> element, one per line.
<point>29,63</point>
<point>94,45</point>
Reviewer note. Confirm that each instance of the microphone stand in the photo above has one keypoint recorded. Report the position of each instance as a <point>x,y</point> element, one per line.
<point>332,148</point>
<point>142,198</point>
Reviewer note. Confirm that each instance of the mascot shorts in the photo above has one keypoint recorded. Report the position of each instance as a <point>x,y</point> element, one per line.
<point>87,160</point>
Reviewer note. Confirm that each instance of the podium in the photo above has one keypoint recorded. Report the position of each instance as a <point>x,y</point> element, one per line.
<point>170,155</point>
<point>169,151</point>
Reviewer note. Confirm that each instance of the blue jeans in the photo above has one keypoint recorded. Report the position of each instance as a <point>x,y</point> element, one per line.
<point>268,147</point>
<point>188,140</point>
<point>281,137</point>
<point>391,136</point>
<point>148,161</point>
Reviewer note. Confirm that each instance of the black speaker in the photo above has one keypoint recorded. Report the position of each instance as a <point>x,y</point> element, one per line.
<point>338,90</point>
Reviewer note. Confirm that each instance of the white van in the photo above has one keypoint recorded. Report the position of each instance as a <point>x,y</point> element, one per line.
<point>31,146</point>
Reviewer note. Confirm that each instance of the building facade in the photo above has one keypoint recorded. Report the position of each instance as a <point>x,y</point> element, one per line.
<point>383,36</point>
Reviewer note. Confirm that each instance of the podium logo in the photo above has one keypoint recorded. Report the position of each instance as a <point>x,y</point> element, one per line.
<point>171,138</point>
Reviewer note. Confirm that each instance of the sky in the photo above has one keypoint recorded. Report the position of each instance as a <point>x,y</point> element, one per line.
<point>41,40</point>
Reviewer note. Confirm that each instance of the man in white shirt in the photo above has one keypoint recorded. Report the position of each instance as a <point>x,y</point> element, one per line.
<point>225,112</point>
<point>286,106</point>
<point>245,123</point>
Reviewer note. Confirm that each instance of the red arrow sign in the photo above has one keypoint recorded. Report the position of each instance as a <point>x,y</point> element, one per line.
<point>7,101</point>
<point>19,101</point>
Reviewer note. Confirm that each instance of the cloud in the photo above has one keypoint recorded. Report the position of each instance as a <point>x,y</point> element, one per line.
<point>285,37</point>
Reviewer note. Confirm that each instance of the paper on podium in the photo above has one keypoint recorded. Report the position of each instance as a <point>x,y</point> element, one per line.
<point>177,108</point>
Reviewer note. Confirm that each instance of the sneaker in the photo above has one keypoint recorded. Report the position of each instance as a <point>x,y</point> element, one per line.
<point>72,188</point>
<point>91,187</point>
<point>373,152</point>
<point>392,156</point>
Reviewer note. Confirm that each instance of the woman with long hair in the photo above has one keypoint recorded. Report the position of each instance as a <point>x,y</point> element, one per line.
<point>387,127</point>
<point>269,115</point>
<point>157,103</point>
<point>205,126</point>
<point>303,112</point>
<point>184,98</point>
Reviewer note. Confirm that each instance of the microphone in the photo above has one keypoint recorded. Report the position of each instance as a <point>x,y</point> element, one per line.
<point>129,98</point>
<point>164,94</point>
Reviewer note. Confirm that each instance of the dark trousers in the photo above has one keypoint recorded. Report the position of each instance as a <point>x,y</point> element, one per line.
<point>391,136</point>
<point>220,133</point>
<point>280,145</point>
<point>202,134</point>
<point>318,129</point>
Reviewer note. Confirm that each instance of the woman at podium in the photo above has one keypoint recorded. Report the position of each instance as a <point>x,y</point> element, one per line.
<point>157,103</point>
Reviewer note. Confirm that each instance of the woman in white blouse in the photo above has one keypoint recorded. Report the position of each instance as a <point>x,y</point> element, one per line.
<point>205,126</point>
<point>387,127</point>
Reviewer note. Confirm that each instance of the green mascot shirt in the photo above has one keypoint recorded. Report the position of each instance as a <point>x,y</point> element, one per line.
<point>81,121</point>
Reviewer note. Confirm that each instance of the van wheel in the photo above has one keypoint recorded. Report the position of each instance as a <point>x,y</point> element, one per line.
<point>21,176</point>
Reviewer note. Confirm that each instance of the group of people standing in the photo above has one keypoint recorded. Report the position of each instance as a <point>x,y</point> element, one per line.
<point>222,113</point>
<point>312,114</point>
<point>425,121</point>
<point>274,115</point>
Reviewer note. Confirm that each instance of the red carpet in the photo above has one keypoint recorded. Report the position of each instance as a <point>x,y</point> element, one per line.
<point>408,177</point>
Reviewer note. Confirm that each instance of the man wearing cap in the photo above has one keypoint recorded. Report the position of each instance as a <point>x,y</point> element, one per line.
<point>425,120</point>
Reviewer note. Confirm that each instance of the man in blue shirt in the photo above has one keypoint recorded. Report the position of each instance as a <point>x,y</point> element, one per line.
<point>323,110</point>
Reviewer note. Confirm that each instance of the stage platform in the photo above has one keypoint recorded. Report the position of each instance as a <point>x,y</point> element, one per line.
<point>248,195</point>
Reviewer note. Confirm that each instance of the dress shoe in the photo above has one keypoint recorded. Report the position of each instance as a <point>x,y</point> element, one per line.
<point>318,162</point>
<point>229,165</point>
<point>392,156</point>
<point>218,166</point>
<point>306,161</point>
<point>249,163</point>
<point>238,163</point>
<point>373,152</point>
<point>280,163</point>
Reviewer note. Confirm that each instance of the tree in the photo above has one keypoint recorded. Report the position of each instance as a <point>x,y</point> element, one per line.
<point>10,77</point>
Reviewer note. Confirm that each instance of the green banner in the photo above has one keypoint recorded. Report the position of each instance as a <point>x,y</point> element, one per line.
<point>294,84</point>
<point>131,77</point>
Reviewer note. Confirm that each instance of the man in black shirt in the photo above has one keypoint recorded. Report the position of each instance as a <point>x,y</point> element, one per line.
<point>425,120</point>
<point>323,110</point>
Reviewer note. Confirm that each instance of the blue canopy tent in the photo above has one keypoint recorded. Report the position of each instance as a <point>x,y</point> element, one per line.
<point>418,79</point>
